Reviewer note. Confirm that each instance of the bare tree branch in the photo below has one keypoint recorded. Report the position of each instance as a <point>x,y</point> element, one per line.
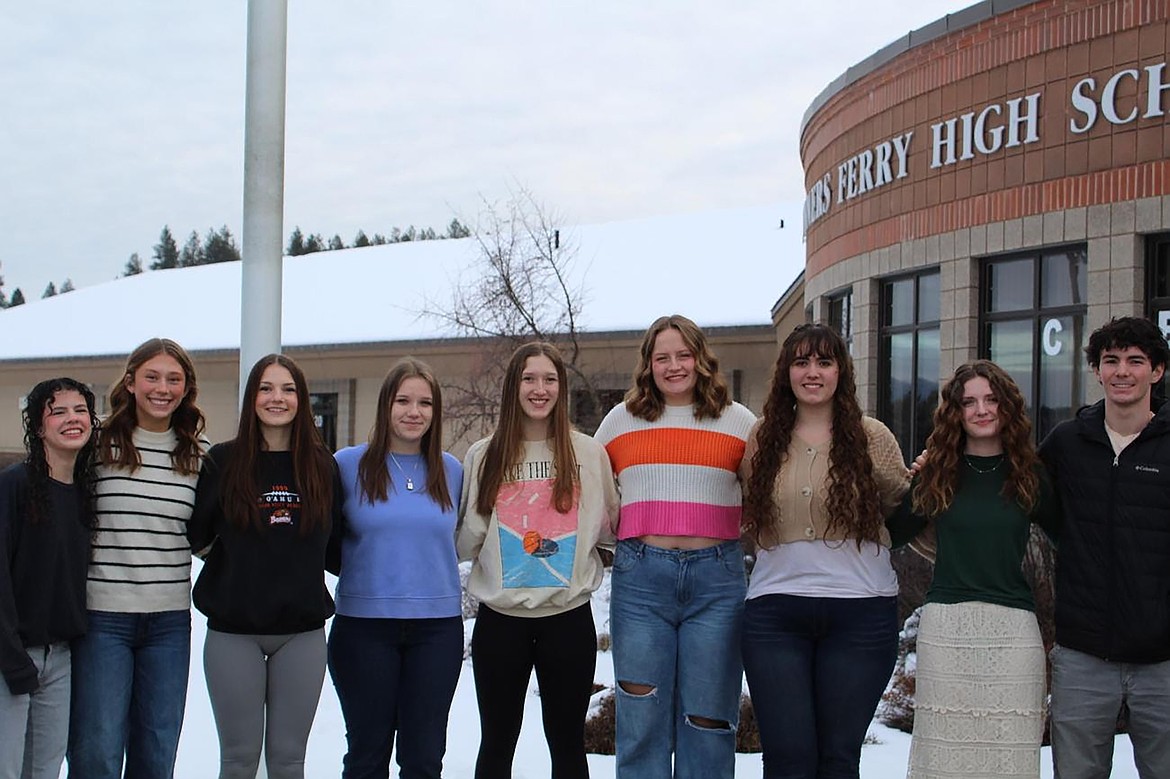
<point>520,287</point>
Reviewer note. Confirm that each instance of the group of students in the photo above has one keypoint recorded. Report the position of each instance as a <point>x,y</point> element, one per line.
<point>97,526</point>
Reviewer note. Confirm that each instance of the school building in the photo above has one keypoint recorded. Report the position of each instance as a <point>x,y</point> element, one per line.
<point>995,184</point>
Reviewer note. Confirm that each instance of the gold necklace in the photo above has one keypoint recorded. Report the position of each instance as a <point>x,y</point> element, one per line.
<point>973,467</point>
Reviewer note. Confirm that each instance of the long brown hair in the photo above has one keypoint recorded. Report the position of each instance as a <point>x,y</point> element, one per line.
<point>116,441</point>
<point>507,442</point>
<point>373,473</point>
<point>939,478</point>
<point>312,463</point>
<point>644,400</point>
<point>853,504</point>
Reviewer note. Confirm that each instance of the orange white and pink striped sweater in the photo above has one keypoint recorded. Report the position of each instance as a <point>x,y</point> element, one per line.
<point>678,474</point>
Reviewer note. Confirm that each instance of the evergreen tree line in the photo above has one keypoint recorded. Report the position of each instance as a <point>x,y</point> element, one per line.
<point>18,299</point>
<point>299,243</point>
<point>220,245</point>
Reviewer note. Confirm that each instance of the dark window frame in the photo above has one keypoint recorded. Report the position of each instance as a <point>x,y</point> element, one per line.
<point>1034,315</point>
<point>885,333</point>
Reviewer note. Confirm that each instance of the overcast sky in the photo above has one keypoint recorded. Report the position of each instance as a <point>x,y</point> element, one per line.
<point>118,118</point>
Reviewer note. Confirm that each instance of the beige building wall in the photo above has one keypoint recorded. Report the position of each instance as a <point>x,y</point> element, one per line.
<point>355,373</point>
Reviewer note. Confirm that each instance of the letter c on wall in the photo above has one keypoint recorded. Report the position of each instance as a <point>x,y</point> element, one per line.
<point>1048,340</point>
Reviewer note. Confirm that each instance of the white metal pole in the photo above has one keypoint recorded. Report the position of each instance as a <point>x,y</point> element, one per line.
<point>262,238</point>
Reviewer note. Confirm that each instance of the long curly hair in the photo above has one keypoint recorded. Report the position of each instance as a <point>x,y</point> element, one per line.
<point>116,443</point>
<point>939,478</point>
<point>507,442</point>
<point>373,472</point>
<point>645,401</point>
<point>853,504</point>
<point>84,476</point>
<point>313,465</point>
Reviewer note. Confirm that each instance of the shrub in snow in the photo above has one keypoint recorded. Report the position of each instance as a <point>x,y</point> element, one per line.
<point>599,726</point>
<point>896,708</point>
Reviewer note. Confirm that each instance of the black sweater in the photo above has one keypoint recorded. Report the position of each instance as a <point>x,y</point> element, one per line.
<point>42,573</point>
<point>264,582</point>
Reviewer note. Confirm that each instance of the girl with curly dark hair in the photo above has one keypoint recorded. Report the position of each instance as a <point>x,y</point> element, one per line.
<point>820,624</point>
<point>979,699</point>
<point>45,523</point>
<point>678,573</point>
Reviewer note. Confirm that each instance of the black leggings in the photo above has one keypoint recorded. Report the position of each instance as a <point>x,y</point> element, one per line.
<point>504,650</point>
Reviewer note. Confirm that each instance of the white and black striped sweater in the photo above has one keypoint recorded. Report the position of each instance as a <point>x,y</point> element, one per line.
<point>141,561</point>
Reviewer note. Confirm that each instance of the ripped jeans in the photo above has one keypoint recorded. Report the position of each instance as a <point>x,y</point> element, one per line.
<point>675,618</point>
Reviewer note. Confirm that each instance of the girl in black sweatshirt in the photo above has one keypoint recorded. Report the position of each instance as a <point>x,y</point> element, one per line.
<point>45,525</point>
<point>265,508</point>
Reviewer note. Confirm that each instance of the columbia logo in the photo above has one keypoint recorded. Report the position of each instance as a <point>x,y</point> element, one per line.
<point>1146,469</point>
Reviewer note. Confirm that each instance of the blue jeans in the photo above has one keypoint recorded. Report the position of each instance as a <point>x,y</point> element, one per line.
<point>129,693</point>
<point>816,669</point>
<point>675,618</point>
<point>395,677</point>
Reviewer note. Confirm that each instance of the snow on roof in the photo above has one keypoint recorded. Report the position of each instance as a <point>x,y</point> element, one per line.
<point>719,268</point>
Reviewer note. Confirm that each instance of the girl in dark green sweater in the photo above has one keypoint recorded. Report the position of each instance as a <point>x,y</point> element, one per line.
<point>979,702</point>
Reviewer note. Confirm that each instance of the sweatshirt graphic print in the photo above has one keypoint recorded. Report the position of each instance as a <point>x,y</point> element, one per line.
<point>537,543</point>
<point>281,504</point>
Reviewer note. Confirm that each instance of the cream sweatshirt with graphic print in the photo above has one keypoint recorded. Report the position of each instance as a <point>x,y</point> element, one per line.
<point>529,560</point>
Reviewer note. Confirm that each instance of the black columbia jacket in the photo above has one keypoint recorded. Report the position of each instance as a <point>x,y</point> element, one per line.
<point>1113,551</point>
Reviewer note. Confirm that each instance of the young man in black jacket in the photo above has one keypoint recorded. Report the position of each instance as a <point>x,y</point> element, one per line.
<point>1111,467</point>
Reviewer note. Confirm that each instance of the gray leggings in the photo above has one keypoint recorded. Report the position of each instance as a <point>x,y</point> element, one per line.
<point>249,677</point>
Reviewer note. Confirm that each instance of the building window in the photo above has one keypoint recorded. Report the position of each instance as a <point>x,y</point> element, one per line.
<point>587,413</point>
<point>840,308</point>
<point>1158,294</point>
<point>324,406</point>
<point>1158,280</point>
<point>1032,324</point>
<point>909,358</point>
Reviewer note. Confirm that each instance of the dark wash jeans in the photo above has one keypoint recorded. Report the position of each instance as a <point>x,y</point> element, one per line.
<point>129,694</point>
<point>816,669</point>
<point>395,679</point>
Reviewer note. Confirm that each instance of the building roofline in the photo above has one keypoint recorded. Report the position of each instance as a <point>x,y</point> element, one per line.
<point>423,344</point>
<point>937,29</point>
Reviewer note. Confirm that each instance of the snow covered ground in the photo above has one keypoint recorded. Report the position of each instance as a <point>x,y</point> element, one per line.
<point>199,749</point>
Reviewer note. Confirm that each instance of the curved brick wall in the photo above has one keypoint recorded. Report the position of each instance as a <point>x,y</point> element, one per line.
<point>1035,54</point>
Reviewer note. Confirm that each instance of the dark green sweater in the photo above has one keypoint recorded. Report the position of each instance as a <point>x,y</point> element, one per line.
<point>981,538</point>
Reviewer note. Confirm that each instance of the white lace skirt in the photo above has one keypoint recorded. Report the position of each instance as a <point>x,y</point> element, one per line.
<point>979,693</point>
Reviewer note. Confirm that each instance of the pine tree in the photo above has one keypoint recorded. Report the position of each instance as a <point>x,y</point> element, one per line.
<point>360,239</point>
<point>457,230</point>
<point>67,286</point>
<point>3,298</point>
<point>296,243</point>
<point>336,243</point>
<point>17,298</point>
<point>166,252</point>
<point>133,265</point>
<point>379,240</point>
<point>220,246</point>
<point>50,291</point>
<point>314,243</point>
<point>192,253</point>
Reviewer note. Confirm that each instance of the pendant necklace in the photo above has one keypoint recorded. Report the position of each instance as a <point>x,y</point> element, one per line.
<point>405,475</point>
<point>977,469</point>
